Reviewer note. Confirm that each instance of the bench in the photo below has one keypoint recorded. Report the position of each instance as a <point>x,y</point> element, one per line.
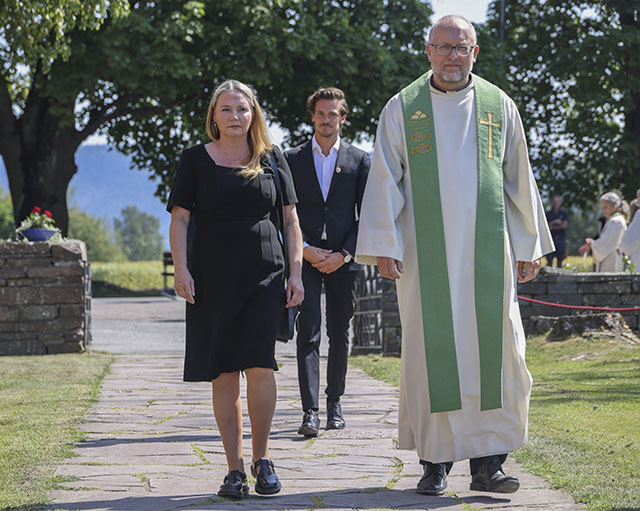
<point>167,261</point>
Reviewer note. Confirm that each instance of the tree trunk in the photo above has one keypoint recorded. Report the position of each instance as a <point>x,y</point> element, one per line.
<point>631,25</point>
<point>42,177</point>
<point>38,151</point>
<point>631,181</point>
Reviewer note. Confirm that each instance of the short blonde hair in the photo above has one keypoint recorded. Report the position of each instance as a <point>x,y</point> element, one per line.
<point>258,135</point>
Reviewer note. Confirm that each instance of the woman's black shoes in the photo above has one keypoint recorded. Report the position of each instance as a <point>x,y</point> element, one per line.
<point>235,482</point>
<point>267,482</point>
<point>234,486</point>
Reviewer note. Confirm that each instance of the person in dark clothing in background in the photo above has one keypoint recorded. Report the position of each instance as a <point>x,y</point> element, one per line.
<point>558,220</point>
<point>329,176</point>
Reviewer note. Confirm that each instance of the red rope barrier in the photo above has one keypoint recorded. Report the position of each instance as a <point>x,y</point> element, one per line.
<point>582,307</point>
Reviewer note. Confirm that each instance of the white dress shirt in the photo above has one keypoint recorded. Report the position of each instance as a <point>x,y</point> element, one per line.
<point>325,165</point>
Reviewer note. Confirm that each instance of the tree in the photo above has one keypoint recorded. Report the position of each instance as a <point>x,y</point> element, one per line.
<point>144,79</point>
<point>138,234</point>
<point>38,136</point>
<point>568,65</point>
<point>96,234</point>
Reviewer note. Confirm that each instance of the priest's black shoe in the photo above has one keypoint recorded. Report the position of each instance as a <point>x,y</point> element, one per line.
<point>334,415</point>
<point>434,478</point>
<point>267,482</point>
<point>490,477</point>
<point>234,486</point>
<point>310,423</point>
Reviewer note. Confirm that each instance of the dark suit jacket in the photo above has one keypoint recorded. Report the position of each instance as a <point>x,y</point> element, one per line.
<point>341,211</point>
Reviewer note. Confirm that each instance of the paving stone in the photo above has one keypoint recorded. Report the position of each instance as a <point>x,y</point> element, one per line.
<point>151,443</point>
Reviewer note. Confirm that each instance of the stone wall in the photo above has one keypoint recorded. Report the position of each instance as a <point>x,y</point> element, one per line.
<point>45,298</point>
<point>618,290</point>
<point>377,323</point>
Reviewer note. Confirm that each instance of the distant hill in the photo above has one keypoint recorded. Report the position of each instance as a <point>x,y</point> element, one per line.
<point>104,184</point>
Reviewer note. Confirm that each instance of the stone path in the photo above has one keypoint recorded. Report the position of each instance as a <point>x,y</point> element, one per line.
<point>151,442</point>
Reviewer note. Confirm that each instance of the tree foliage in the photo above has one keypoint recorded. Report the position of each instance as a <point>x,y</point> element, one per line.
<point>145,79</point>
<point>98,237</point>
<point>570,65</point>
<point>38,136</point>
<point>36,33</point>
<point>138,233</point>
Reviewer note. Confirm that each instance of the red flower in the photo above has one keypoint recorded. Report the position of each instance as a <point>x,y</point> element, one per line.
<point>48,213</point>
<point>36,209</point>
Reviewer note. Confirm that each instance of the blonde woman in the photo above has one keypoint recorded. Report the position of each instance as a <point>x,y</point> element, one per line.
<point>605,249</point>
<point>234,280</point>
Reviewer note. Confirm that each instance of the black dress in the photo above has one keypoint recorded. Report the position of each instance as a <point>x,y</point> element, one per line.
<point>236,262</point>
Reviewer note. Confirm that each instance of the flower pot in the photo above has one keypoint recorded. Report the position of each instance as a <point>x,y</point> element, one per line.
<point>37,233</point>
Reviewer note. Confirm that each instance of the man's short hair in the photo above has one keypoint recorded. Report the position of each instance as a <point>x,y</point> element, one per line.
<point>328,93</point>
<point>456,18</point>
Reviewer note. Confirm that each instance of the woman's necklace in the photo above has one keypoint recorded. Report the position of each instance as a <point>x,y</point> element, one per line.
<point>231,161</point>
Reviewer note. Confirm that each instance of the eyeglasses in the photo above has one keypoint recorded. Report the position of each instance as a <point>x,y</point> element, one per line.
<point>463,50</point>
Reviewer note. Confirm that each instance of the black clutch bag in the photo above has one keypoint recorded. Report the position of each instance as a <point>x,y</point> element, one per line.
<point>286,320</point>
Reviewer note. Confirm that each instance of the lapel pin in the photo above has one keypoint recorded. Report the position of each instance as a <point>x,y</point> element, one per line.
<point>338,170</point>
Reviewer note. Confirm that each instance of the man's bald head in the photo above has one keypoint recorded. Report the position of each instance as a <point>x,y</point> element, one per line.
<point>454,20</point>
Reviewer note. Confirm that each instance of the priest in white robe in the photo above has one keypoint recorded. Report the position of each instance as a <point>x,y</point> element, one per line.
<point>452,211</point>
<point>606,249</point>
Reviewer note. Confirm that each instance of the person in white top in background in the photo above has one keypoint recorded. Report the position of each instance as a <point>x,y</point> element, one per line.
<point>630,243</point>
<point>605,249</point>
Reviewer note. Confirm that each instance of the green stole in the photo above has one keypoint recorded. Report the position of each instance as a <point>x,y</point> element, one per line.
<point>437,318</point>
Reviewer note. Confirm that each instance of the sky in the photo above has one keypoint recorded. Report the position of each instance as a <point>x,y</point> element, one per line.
<point>473,10</point>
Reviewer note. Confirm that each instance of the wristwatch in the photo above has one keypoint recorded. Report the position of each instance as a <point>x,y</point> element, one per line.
<point>347,256</point>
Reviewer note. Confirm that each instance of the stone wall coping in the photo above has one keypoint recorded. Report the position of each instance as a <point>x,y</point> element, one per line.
<point>66,250</point>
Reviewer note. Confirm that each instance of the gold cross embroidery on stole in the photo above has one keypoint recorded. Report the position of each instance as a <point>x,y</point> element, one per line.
<point>490,124</point>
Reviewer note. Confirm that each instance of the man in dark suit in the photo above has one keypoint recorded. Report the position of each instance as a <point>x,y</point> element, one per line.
<point>329,176</point>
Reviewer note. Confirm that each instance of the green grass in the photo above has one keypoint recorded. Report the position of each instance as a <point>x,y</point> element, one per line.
<point>584,421</point>
<point>386,369</point>
<point>135,276</point>
<point>44,399</point>
<point>575,263</point>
